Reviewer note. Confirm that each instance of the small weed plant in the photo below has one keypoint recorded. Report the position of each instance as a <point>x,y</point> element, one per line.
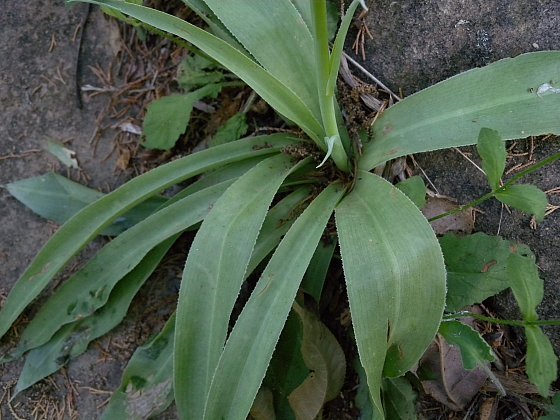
<point>267,201</point>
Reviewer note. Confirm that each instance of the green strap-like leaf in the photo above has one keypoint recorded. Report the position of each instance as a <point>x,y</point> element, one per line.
<point>525,283</point>
<point>318,269</point>
<point>90,221</point>
<point>89,288</point>
<point>213,275</point>
<point>273,91</point>
<point>338,47</point>
<point>147,382</point>
<point>399,399</point>
<point>503,96</point>
<point>249,348</point>
<point>278,221</point>
<point>275,34</point>
<point>394,271</point>
<point>72,339</point>
<point>57,198</point>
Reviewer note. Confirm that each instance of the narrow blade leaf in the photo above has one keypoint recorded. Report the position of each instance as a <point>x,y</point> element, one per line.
<point>88,289</point>
<point>57,198</point>
<point>282,48</point>
<point>502,96</point>
<point>90,221</point>
<point>399,399</point>
<point>72,339</point>
<point>393,267</point>
<point>249,348</point>
<point>213,275</point>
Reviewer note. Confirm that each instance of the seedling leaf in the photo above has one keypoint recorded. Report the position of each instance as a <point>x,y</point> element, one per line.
<point>492,150</point>
<point>415,189</point>
<point>542,363</point>
<point>525,283</point>
<point>167,118</point>
<point>474,350</point>
<point>527,198</point>
<point>477,267</point>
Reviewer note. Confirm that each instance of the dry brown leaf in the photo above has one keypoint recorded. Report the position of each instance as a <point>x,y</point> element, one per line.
<point>454,386</point>
<point>263,406</point>
<point>460,222</point>
<point>325,359</point>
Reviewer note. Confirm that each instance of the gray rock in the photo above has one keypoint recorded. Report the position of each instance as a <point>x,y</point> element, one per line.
<point>417,43</point>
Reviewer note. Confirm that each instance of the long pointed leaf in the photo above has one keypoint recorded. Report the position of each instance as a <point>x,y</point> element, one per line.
<point>394,271</point>
<point>273,91</point>
<point>503,96</point>
<point>250,346</point>
<point>89,288</point>
<point>72,339</point>
<point>213,275</point>
<point>274,32</point>
<point>90,221</point>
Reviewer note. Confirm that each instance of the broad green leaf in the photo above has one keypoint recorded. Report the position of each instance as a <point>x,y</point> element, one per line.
<point>415,189</point>
<point>317,271</point>
<point>525,283</point>
<point>276,35</point>
<point>72,339</point>
<point>477,267</point>
<point>394,270</point>
<point>91,221</point>
<point>147,382</point>
<point>167,118</point>
<point>542,363</point>
<point>57,198</point>
<point>326,362</point>
<point>399,399</point>
<point>501,96</point>
<point>214,272</point>
<point>247,353</point>
<point>88,289</point>
<point>234,128</point>
<point>271,89</point>
<point>527,198</point>
<point>492,150</point>
<point>474,350</point>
